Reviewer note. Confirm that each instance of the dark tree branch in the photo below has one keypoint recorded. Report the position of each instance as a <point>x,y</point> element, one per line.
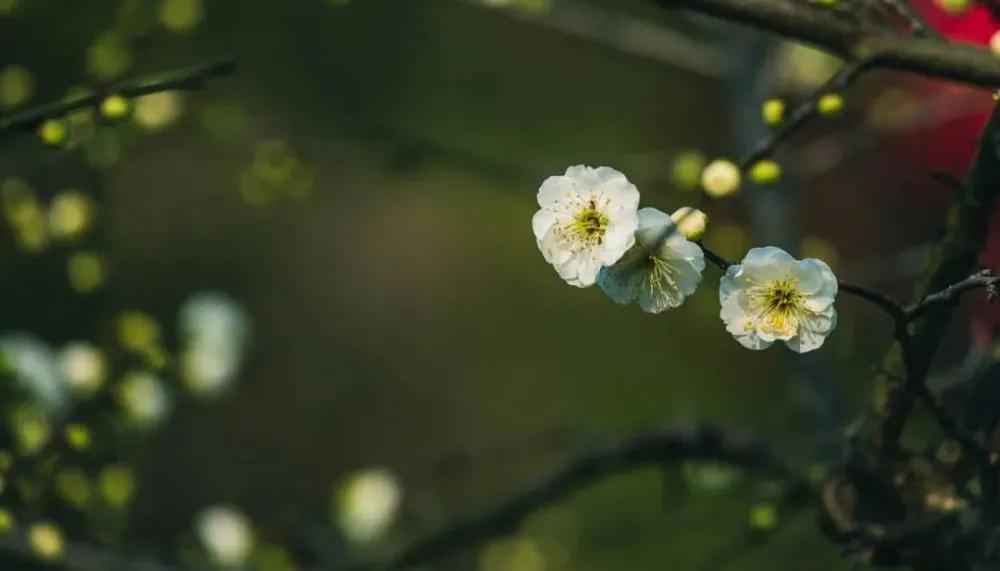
<point>844,35</point>
<point>645,450</point>
<point>954,259</point>
<point>188,79</point>
<point>916,24</point>
<point>952,293</point>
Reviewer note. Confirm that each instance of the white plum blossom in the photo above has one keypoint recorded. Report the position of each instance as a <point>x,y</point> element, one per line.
<point>587,221</point>
<point>770,296</point>
<point>660,270</point>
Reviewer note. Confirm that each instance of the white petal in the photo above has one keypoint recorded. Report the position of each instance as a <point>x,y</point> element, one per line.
<point>768,264</point>
<point>581,173</point>
<point>620,283</point>
<point>753,342</point>
<point>813,333</point>
<point>805,341</point>
<point>767,255</point>
<point>554,248</point>
<point>734,314</point>
<point>542,221</point>
<point>688,275</point>
<point>687,249</point>
<point>657,300</point>
<point>553,192</point>
<point>608,174</point>
<point>653,226</point>
<point>822,323</point>
<point>816,278</point>
<point>734,280</point>
<point>580,270</point>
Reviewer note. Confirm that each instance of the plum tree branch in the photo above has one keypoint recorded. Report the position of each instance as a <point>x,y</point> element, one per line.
<point>953,260</point>
<point>844,35</point>
<point>652,449</point>
<point>186,79</point>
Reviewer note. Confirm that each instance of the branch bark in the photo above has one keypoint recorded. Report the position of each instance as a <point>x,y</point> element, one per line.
<point>844,35</point>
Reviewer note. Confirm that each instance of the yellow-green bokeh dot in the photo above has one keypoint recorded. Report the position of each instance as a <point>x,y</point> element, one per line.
<point>138,331</point>
<point>46,541</point>
<point>7,521</point>
<point>86,271</point>
<point>53,133</point>
<point>763,517</point>
<point>8,7</point>
<point>273,558</point>
<point>117,484</point>
<point>108,56</point>
<point>816,247</point>
<point>16,86</point>
<point>78,437</point>
<point>685,170</point>
<point>180,15</point>
<point>70,214</point>
<point>73,487</point>
<point>158,110</point>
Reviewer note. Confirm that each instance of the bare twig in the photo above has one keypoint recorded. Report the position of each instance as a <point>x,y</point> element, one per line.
<point>951,294</point>
<point>188,79</point>
<point>803,112</point>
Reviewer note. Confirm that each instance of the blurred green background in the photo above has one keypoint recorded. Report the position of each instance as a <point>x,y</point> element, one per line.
<point>363,185</point>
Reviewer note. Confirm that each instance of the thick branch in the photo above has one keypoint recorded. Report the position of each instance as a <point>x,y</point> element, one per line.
<point>648,450</point>
<point>187,79</point>
<point>845,36</point>
<point>955,258</point>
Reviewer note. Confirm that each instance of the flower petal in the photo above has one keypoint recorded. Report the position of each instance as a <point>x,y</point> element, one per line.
<point>620,282</point>
<point>768,263</point>
<point>816,278</point>
<point>752,341</point>
<point>653,226</point>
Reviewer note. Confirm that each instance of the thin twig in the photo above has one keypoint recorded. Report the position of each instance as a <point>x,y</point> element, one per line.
<point>188,79</point>
<point>803,111</point>
<point>951,294</point>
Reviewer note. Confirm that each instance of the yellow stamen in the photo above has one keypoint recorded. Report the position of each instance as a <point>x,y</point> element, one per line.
<point>776,308</point>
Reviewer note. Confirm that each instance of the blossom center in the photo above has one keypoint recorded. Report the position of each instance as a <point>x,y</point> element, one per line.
<point>591,224</point>
<point>775,308</point>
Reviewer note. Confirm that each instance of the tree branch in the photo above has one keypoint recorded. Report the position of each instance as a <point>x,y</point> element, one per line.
<point>953,260</point>
<point>844,35</point>
<point>188,79</point>
<point>645,450</point>
<point>952,293</point>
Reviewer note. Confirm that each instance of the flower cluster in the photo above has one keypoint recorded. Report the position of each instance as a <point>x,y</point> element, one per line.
<point>590,228</point>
